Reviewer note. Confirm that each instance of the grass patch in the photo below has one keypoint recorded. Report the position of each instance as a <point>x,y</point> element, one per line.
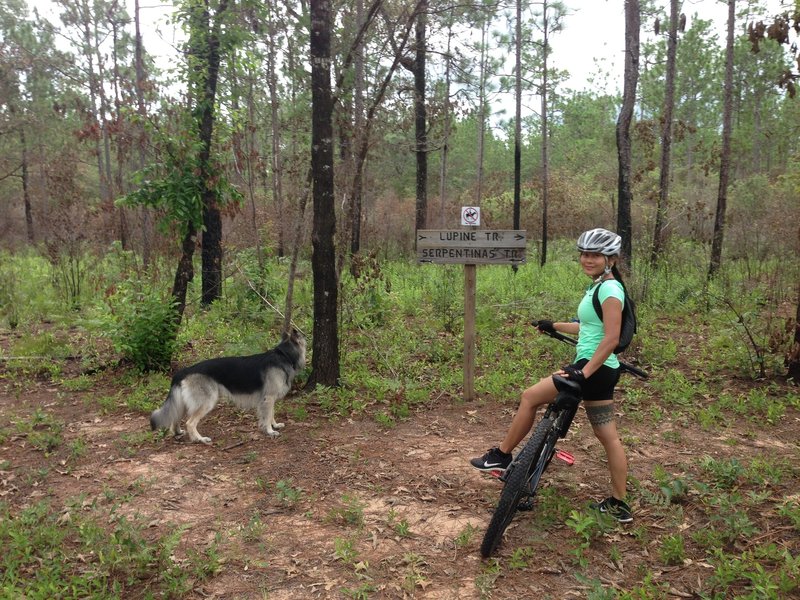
<point>47,552</point>
<point>401,353</point>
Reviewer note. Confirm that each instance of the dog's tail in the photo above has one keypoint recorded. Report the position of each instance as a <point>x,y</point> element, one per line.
<point>170,413</point>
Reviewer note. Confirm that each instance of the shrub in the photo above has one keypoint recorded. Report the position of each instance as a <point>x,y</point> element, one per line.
<point>145,328</point>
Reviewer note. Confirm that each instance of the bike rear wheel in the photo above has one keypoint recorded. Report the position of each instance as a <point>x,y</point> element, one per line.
<point>523,478</point>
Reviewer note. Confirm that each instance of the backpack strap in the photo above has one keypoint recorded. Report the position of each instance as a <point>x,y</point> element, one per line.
<point>596,301</point>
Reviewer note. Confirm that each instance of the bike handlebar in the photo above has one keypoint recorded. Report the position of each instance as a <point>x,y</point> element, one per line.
<point>622,365</point>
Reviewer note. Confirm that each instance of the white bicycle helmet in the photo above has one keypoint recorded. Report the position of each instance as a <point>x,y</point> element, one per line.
<point>600,240</point>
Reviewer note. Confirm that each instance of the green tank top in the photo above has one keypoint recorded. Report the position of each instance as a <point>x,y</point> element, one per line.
<point>591,331</point>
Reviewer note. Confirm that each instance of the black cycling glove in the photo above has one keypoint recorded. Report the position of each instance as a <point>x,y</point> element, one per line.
<point>574,374</point>
<point>545,325</point>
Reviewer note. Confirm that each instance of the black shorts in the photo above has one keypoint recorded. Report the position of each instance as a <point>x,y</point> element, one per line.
<point>600,386</point>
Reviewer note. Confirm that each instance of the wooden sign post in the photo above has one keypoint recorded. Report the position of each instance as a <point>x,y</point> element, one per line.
<point>471,247</point>
<point>470,283</point>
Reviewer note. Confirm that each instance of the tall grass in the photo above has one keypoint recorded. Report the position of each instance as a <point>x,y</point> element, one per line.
<point>407,319</point>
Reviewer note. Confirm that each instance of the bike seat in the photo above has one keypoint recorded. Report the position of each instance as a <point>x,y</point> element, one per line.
<point>567,385</point>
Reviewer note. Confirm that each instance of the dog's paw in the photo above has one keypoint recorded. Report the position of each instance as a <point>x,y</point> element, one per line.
<point>202,439</point>
<point>271,433</point>
<point>278,425</point>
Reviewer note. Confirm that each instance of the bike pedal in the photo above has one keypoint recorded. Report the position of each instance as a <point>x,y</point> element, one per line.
<point>565,456</point>
<point>498,474</point>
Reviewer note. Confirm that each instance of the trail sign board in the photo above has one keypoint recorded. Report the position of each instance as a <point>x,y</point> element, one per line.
<point>471,246</point>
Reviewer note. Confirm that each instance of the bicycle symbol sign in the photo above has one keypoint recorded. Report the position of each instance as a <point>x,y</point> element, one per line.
<point>471,215</point>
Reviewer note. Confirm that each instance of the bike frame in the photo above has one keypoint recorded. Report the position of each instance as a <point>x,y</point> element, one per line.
<point>562,411</point>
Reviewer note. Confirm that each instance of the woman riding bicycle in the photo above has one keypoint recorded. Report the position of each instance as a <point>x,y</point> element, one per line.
<point>596,370</point>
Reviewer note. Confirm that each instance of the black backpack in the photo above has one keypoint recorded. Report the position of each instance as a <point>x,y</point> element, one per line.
<point>628,328</point>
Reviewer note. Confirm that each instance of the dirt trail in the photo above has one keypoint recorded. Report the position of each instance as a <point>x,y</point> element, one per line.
<point>397,511</point>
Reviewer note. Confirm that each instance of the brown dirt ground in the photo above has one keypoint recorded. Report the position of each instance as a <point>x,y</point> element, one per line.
<point>416,471</point>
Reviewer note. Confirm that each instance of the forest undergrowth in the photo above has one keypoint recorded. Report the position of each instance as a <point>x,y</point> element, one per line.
<point>713,431</point>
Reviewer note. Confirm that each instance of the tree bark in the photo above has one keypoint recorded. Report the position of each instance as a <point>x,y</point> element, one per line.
<point>274,105</point>
<point>140,109</point>
<point>121,149</point>
<point>545,160</point>
<point>666,134</point>
<point>481,111</point>
<point>447,126</point>
<point>420,121</point>
<point>358,131</point>
<point>26,197</point>
<point>185,272</point>
<point>250,141</point>
<point>725,155</point>
<point>211,252</point>
<point>94,85</point>
<point>793,359</point>
<point>624,188</point>
<point>325,347</point>
<point>517,115</point>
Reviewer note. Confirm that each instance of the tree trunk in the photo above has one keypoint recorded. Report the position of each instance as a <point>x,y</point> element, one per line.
<point>758,135</point>
<point>108,187</point>
<point>274,104</point>
<point>420,121</point>
<point>725,156</point>
<point>140,108</point>
<point>325,347</point>
<point>93,87</point>
<point>517,115</point>
<point>793,359</point>
<point>666,134</point>
<point>185,272</point>
<point>358,131</point>
<point>121,149</point>
<point>625,193</point>
<point>211,252</point>
<point>447,125</point>
<point>364,119</point>
<point>250,142</point>
<point>481,111</point>
<point>298,238</point>
<point>26,197</point>
<point>545,160</point>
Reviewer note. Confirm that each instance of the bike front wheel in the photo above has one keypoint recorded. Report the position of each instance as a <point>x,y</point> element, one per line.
<point>522,479</point>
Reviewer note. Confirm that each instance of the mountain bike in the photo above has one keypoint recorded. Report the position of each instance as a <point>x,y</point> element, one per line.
<point>521,478</point>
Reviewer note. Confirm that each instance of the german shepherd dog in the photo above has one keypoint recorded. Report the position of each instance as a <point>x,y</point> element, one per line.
<point>251,382</point>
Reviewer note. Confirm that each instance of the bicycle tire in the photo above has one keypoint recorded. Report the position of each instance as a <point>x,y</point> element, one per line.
<point>515,486</point>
